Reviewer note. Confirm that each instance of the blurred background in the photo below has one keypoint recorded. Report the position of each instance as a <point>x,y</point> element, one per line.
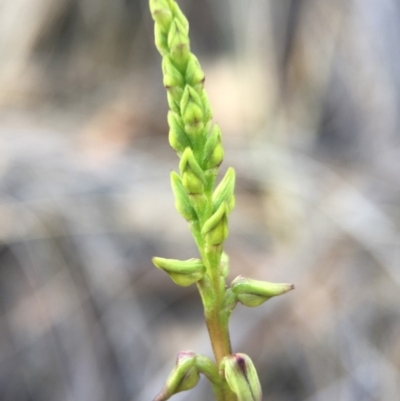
<point>307,93</point>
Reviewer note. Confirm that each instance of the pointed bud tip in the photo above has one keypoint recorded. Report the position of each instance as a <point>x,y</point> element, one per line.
<point>240,361</point>
<point>242,377</point>
<point>185,354</point>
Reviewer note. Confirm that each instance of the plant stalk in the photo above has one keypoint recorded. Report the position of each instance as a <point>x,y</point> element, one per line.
<point>212,294</point>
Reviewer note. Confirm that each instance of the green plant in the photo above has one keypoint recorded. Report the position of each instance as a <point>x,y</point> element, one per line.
<point>198,145</point>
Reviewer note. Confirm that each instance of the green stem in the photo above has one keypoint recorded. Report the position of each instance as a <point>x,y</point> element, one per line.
<point>219,336</point>
<point>212,294</point>
<point>219,333</point>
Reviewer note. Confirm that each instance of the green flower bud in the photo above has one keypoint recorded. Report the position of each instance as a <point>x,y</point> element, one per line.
<point>192,111</point>
<point>190,376</point>
<point>183,377</point>
<point>224,191</point>
<point>178,42</point>
<point>177,136</point>
<point>199,203</point>
<point>178,15</point>
<point>213,151</point>
<point>254,292</point>
<point>174,94</point>
<point>161,13</point>
<point>193,178</point>
<point>215,229</point>
<point>182,272</point>
<point>173,79</point>
<point>241,376</point>
<point>161,40</point>
<point>194,74</point>
<point>182,202</point>
<point>230,301</point>
<point>208,114</point>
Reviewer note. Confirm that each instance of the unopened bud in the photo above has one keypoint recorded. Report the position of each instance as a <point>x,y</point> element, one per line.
<point>182,272</point>
<point>193,178</point>
<point>173,79</point>
<point>213,151</point>
<point>161,14</point>
<point>254,292</point>
<point>178,42</point>
<point>194,74</point>
<point>178,15</point>
<point>224,191</point>
<point>177,136</point>
<point>215,229</point>
<point>161,40</point>
<point>182,202</point>
<point>190,376</point>
<point>208,114</point>
<point>183,377</point>
<point>241,376</point>
<point>192,111</point>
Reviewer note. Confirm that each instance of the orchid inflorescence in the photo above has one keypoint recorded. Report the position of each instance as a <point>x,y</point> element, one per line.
<point>197,143</point>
